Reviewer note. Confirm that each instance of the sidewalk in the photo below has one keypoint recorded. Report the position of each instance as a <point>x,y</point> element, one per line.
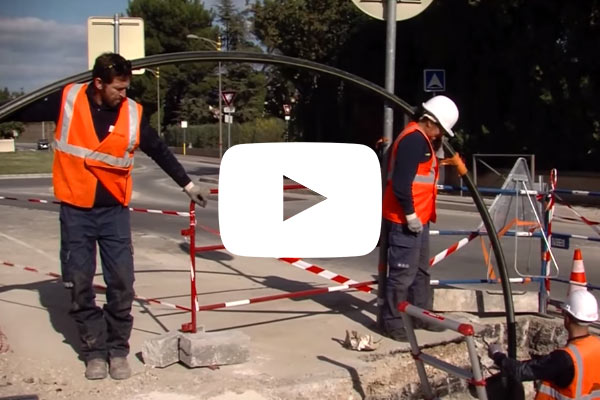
<point>295,350</point>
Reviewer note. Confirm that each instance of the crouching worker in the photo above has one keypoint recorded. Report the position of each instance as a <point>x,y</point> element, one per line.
<point>572,372</point>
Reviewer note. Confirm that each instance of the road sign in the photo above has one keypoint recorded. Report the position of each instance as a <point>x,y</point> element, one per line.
<point>228,96</point>
<point>434,80</point>
<point>405,9</point>
<point>228,119</point>
<point>559,241</point>
<point>184,124</point>
<point>229,110</point>
<point>287,109</point>
<point>101,38</point>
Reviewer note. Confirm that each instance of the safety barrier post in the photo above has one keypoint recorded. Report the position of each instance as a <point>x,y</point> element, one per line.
<point>545,255</point>
<point>548,201</point>
<point>191,232</point>
<point>473,376</point>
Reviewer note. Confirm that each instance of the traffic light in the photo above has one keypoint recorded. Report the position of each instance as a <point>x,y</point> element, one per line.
<point>219,43</point>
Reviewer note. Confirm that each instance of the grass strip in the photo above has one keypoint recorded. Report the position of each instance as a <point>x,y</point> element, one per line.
<point>26,162</point>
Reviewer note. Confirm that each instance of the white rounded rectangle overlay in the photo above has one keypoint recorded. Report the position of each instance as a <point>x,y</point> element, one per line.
<point>346,224</point>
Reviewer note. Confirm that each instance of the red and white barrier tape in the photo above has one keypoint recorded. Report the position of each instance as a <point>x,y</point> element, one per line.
<point>297,262</point>
<point>456,246</point>
<point>301,293</point>
<point>591,224</point>
<point>584,219</point>
<point>30,269</point>
<point>30,200</point>
<point>95,285</point>
<point>164,212</point>
<point>136,209</point>
<point>228,304</point>
<point>315,269</point>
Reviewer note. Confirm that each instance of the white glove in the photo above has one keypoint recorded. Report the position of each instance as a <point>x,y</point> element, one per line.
<point>493,349</point>
<point>414,223</point>
<point>198,193</point>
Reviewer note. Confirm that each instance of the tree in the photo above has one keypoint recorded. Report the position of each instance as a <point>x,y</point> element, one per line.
<point>8,129</point>
<point>246,80</point>
<point>167,24</point>
<point>312,30</point>
<point>524,73</point>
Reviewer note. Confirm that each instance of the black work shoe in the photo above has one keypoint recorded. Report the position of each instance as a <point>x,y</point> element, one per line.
<point>119,368</point>
<point>398,335</point>
<point>96,368</point>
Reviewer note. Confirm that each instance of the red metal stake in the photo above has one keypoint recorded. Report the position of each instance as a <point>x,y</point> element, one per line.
<point>191,232</point>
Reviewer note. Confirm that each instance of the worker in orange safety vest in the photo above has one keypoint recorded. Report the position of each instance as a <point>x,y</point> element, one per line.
<point>409,207</point>
<point>98,128</point>
<point>572,372</point>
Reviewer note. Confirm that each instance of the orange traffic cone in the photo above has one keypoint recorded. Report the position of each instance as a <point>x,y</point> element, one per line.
<point>577,280</point>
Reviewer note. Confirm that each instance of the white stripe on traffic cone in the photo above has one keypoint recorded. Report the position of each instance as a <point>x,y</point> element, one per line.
<point>577,281</point>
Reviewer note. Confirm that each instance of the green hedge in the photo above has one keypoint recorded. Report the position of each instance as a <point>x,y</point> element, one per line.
<point>207,136</point>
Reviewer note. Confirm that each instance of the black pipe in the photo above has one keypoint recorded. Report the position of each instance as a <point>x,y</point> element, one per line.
<point>495,242</point>
<point>259,58</point>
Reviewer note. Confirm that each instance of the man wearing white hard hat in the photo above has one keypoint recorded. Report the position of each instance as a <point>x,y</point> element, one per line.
<point>572,372</point>
<point>409,207</point>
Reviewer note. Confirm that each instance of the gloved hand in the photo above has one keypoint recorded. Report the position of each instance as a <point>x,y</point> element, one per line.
<point>493,349</point>
<point>414,223</point>
<point>198,193</point>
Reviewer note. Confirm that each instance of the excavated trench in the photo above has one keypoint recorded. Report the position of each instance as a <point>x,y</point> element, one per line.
<point>394,375</point>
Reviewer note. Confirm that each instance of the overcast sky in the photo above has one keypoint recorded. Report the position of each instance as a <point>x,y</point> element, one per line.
<point>42,41</point>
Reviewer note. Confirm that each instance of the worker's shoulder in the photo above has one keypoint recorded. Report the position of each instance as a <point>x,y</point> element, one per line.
<point>415,138</point>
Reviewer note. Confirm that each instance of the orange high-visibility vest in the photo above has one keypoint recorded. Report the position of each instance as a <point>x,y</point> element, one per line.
<point>81,160</point>
<point>585,353</point>
<point>424,189</point>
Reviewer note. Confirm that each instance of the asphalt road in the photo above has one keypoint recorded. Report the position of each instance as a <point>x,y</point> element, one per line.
<point>154,190</point>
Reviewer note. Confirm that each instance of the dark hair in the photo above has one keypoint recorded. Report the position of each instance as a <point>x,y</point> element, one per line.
<point>109,65</point>
<point>418,112</point>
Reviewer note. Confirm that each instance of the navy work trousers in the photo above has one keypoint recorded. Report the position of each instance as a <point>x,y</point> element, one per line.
<point>408,276</point>
<point>104,332</point>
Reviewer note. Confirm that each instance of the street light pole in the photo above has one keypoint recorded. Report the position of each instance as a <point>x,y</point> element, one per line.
<point>157,75</point>
<point>158,100</point>
<point>220,115</point>
<point>217,46</point>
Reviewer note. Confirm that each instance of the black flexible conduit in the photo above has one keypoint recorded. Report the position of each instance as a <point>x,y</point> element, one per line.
<point>259,58</point>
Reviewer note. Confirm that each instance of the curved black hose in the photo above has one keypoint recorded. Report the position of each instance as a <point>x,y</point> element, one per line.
<point>260,58</point>
<point>495,242</point>
<point>208,56</point>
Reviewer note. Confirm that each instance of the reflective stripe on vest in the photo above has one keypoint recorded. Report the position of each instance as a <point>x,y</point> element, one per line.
<point>77,151</point>
<point>552,393</point>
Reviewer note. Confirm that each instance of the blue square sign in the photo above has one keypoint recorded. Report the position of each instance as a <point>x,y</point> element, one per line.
<point>434,80</point>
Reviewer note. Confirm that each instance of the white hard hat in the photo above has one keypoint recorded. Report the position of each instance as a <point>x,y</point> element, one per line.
<point>582,305</point>
<point>444,112</point>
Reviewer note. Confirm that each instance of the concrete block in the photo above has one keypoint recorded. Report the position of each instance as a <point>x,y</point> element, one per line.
<point>214,348</point>
<point>161,351</point>
<point>481,301</point>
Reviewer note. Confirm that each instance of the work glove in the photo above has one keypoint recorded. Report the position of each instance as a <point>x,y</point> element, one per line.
<point>414,223</point>
<point>493,349</point>
<point>198,193</point>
